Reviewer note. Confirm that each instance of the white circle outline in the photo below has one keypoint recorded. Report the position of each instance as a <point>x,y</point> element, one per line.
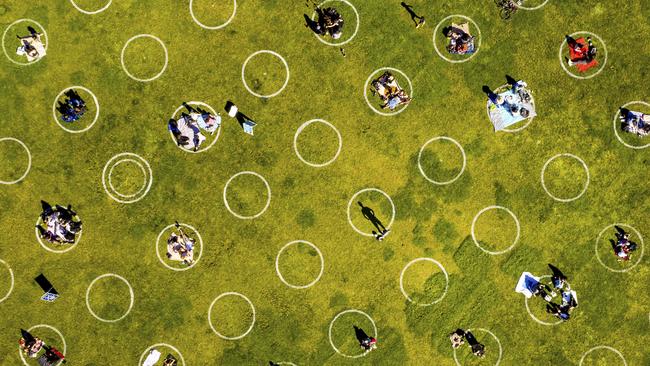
<point>243,72</point>
<point>29,159</point>
<point>144,36</point>
<point>640,255</point>
<point>531,8</point>
<point>299,131</point>
<point>602,67</point>
<point>158,249</point>
<point>392,218</point>
<point>57,251</point>
<point>582,359</point>
<point>130,292</point>
<point>462,151</point>
<point>11,288</point>
<point>516,222</point>
<point>320,255</point>
<point>214,113</point>
<point>366,86</point>
<point>618,112</point>
<point>493,336</point>
<point>584,165</point>
<point>442,268</point>
<point>332,324</point>
<point>234,11</point>
<point>4,49</point>
<point>210,316</point>
<point>268,199</point>
<point>536,319</point>
<point>435,32</point>
<point>356,29</point>
<point>162,345</point>
<point>59,96</point>
<point>110,181</point>
<point>65,347</point>
<point>530,118</point>
<point>91,12</point>
<point>150,180</point>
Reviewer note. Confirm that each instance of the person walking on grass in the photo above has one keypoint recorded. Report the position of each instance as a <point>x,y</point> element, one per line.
<point>418,20</point>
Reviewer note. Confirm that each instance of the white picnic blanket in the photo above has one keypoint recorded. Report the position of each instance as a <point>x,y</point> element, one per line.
<point>526,284</point>
<point>153,357</point>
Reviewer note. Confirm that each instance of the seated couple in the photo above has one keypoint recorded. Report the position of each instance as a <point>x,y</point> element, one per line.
<point>180,247</point>
<point>61,224</point>
<point>187,129</point>
<point>461,42</point>
<point>73,108</point>
<point>582,54</point>
<point>623,246</point>
<point>458,337</point>
<point>31,46</point>
<point>31,346</point>
<point>329,22</point>
<point>391,94</point>
<point>513,102</point>
<point>635,122</point>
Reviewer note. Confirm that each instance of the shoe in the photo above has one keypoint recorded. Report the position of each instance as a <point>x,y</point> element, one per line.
<point>420,23</point>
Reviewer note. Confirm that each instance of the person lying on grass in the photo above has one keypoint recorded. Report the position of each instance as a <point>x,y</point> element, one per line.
<point>635,122</point>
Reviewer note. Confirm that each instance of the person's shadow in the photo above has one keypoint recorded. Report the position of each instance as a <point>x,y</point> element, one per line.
<point>360,334</point>
<point>369,215</point>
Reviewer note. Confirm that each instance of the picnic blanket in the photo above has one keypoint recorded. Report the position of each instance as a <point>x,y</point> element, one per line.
<point>152,358</point>
<point>526,284</point>
<point>189,129</point>
<point>575,56</point>
<point>501,116</point>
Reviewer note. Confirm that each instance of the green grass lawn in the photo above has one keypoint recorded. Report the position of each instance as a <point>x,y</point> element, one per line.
<point>309,203</point>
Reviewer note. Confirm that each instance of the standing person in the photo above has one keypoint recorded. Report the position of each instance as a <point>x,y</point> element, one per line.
<point>478,349</point>
<point>366,342</point>
<point>418,20</point>
<point>558,279</point>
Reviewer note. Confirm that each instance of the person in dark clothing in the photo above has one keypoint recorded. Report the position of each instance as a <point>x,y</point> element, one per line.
<point>478,348</point>
<point>558,279</point>
<point>418,20</point>
<point>365,341</point>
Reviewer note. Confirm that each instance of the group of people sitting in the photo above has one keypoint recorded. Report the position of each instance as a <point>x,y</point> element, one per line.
<point>188,128</point>
<point>73,108</point>
<point>154,356</point>
<point>180,247</point>
<point>31,46</point>
<point>329,21</point>
<point>635,122</point>
<point>514,102</point>
<point>461,42</point>
<point>458,338</point>
<point>31,346</point>
<point>391,94</point>
<point>623,246</point>
<point>531,286</point>
<point>366,342</point>
<point>59,224</point>
<point>582,54</point>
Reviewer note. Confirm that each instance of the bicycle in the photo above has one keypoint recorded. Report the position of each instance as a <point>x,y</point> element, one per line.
<point>507,7</point>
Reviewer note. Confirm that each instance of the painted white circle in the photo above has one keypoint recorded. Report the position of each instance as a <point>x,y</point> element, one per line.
<point>144,36</point>
<point>57,251</point>
<point>513,243</point>
<point>299,131</point>
<point>91,12</point>
<point>268,199</point>
<point>109,163</point>
<point>58,122</point>
<point>435,34</point>
<point>29,160</point>
<point>210,316</point>
<point>462,151</point>
<point>132,298</point>
<point>638,259</point>
<point>356,28</point>
<point>366,87</point>
<point>562,62</point>
<point>213,112</point>
<point>243,72</point>
<point>160,258</point>
<point>144,177</point>
<point>584,165</point>
<point>286,363</point>
<point>11,287</point>
<point>4,49</point>
<point>617,124</point>
<point>522,7</point>
<point>507,129</point>
<point>162,345</point>
<point>533,315</point>
<point>332,324</point>
<point>234,11</point>
<point>401,280</point>
<point>65,347</point>
<point>320,255</point>
<point>582,359</point>
<point>493,336</point>
<point>392,217</point>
